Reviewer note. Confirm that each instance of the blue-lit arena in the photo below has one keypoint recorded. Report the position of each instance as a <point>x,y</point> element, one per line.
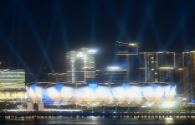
<point>100,94</point>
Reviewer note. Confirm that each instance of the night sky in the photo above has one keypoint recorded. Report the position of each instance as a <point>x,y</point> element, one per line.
<point>37,33</point>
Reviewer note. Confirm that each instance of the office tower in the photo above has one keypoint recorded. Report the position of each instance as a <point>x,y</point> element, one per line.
<point>80,66</point>
<point>188,61</point>
<point>116,75</point>
<point>56,77</point>
<point>178,80</point>
<point>181,79</point>
<point>185,81</point>
<point>156,66</point>
<point>12,79</point>
<point>128,58</point>
<point>182,74</point>
<point>148,67</point>
<point>178,60</point>
<point>192,74</point>
<point>99,76</point>
<point>166,60</point>
<point>166,65</point>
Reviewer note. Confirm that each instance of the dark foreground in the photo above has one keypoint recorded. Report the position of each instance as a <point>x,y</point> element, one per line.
<point>83,113</point>
<point>99,120</point>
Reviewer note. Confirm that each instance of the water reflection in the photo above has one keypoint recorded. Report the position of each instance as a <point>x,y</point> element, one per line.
<point>156,120</point>
<point>169,120</point>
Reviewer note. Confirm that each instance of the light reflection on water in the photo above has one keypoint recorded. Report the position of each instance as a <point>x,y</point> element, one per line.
<point>169,120</point>
<point>161,120</point>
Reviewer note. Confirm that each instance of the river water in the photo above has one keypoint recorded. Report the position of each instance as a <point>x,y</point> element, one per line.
<point>100,120</point>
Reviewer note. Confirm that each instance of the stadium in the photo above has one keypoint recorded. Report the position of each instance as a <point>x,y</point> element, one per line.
<point>101,94</point>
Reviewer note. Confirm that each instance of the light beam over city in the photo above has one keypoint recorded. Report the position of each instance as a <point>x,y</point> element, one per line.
<point>108,58</point>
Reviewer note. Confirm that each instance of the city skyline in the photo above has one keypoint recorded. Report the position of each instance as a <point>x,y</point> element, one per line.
<point>115,59</point>
<point>114,63</point>
<point>35,34</point>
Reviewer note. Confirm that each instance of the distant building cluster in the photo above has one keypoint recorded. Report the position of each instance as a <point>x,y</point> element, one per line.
<point>130,66</point>
<point>111,94</point>
<point>80,66</point>
<point>12,79</point>
<point>12,84</point>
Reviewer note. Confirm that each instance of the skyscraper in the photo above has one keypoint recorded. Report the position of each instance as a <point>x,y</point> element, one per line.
<point>148,67</point>
<point>128,58</point>
<point>12,79</point>
<point>116,75</point>
<point>192,74</point>
<point>188,61</point>
<point>182,79</point>
<point>166,65</point>
<point>80,66</point>
<point>156,66</point>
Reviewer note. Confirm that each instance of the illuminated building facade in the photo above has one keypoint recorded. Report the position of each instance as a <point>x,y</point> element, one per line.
<point>188,61</point>
<point>56,77</point>
<point>156,66</point>
<point>166,66</point>
<point>99,77</point>
<point>178,60</point>
<point>80,66</point>
<point>148,71</point>
<point>13,94</point>
<point>12,84</point>
<point>116,75</point>
<point>192,73</point>
<point>12,79</point>
<point>99,94</point>
<point>181,79</point>
<point>128,58</point>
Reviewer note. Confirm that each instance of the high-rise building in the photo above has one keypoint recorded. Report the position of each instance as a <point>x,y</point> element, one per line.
<point>148,67</point>
<point>178,60</point>
<point>192,75</point>
<point>188,61</point>
<point>12,79</point>
<point>156,66</point>
<point>182,79</point>
<point>116,75</point>
<point>56,77</point>
<point>99,77</point>
<point>166,66</point>
<point>80,66</point>
<point>128,59</point>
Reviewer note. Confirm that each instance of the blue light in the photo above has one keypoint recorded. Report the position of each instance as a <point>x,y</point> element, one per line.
<point>59,87</point>
<point>92,85</point>
<point>33,86</point>
<point>61,102</point>
<point>126,85</point>
<point>45,98</point>
<point>171,86</point>
<point>154,86</point>
<point>163,95</point>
